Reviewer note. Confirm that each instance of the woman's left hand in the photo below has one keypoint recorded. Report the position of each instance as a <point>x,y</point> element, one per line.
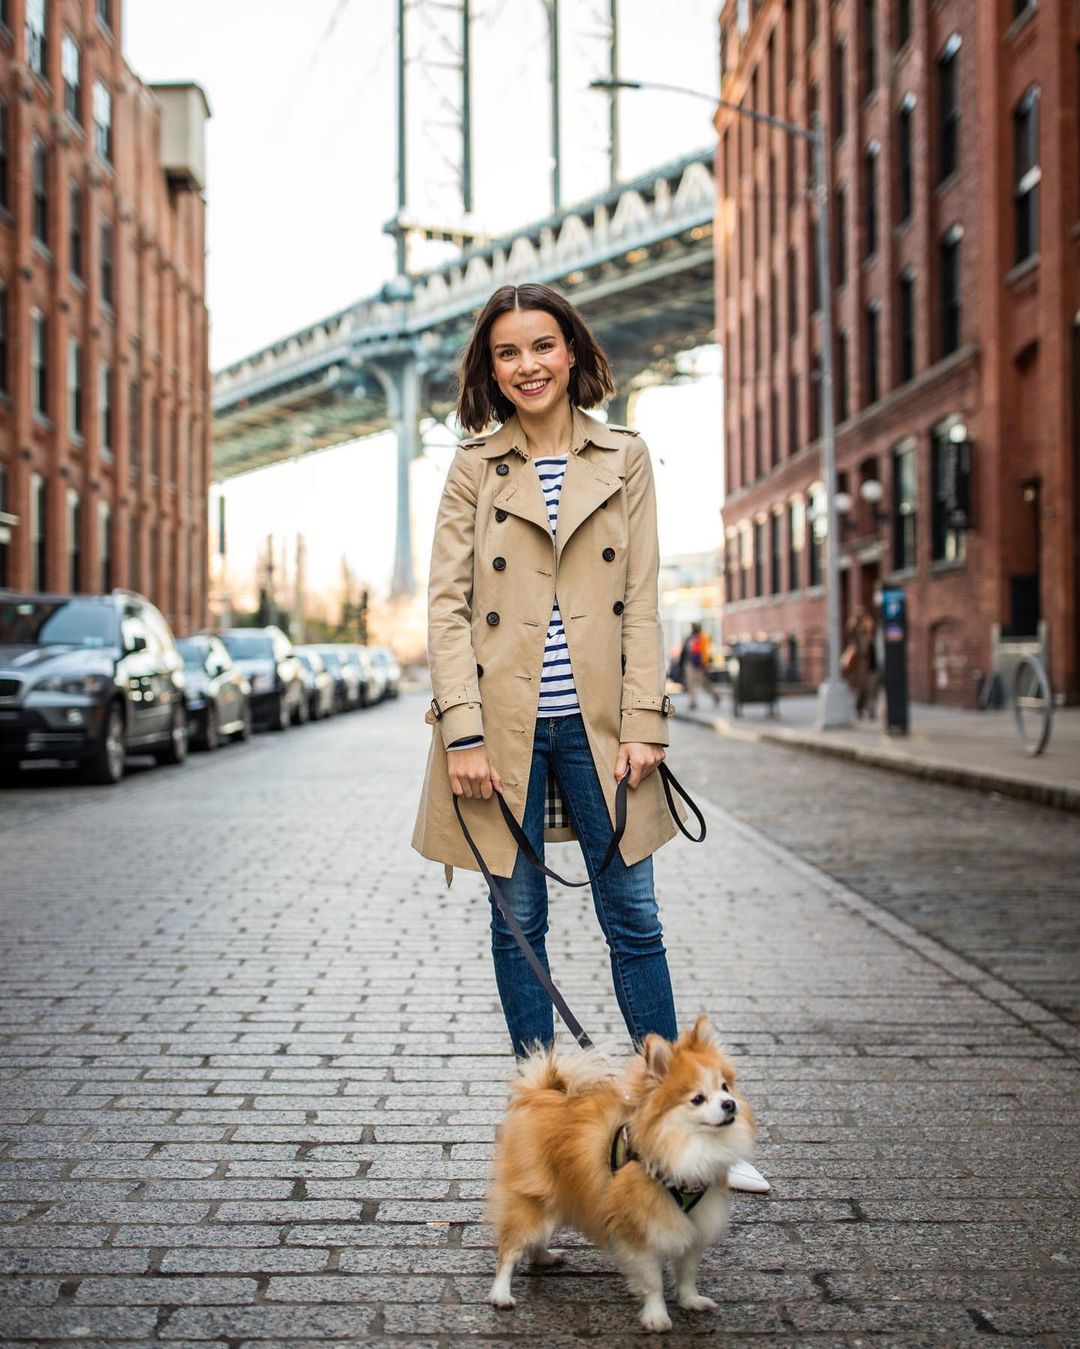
<point>643,759</point>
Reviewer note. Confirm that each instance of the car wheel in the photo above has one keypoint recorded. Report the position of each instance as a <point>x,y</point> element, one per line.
<point>244,733</point>
<point>282,722</point>
<point>211,737</point>
<point>107,765</point>
<point>175,749</point>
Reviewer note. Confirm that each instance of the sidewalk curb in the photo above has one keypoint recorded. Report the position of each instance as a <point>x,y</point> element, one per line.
<point>1044,794</point>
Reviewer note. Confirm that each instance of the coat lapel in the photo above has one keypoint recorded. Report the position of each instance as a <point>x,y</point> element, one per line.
<point>524,497</point>
<point>585,486</point>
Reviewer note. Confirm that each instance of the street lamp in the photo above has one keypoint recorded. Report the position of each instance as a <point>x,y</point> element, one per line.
<point>835,704</point>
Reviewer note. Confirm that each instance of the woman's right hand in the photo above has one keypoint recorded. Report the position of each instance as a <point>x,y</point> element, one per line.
<point>471,772</point>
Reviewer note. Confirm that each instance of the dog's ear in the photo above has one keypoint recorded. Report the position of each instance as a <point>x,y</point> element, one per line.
<point>657,1052</point>
<point>704,1033</point>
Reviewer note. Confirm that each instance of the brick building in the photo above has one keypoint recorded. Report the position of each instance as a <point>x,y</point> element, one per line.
<point>952,129</point>
<point>105,420</point>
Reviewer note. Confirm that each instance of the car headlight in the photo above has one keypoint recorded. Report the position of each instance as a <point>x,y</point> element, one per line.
<point>89,686</point>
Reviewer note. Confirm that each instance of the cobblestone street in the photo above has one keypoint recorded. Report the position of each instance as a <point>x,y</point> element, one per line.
<point>253,1058</point>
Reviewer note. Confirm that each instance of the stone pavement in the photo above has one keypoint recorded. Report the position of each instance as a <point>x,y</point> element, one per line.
<point>253,1062</point>
<point>946,744</point>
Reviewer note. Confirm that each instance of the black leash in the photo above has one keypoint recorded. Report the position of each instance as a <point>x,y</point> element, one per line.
<point>669,780</point>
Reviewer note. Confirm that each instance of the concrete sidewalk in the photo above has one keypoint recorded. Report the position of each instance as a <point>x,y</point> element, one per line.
<point>946,744</point>
<point>251,1081</point>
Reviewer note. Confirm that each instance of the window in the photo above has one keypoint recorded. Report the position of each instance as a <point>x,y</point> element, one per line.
<point>1026,174</point>
<point>745,559</point>
<point>755,105</point>
<point>816,542</point>
<point>903,23</point>
<point>815,278</point>
<point>134,427</point>
<point>840,203</point>
<point>5,170</point>
<point>841,388</point>
<point>155,436</point>
<point>105,409</point>
<point>904,505</point>
<point>775,529</point>
<point>772,196</point>
<point>904,143</point>
<point>759,448</point>
<point>948,108</point>
<point>1021,7</point>
<point>905,311</point>
<point>71,69</point>
<point>770,77</point>
<point>791,174</point>
<point>105,545</point>
<point>5,547</point>
<point>838,90</point>
<point>774,429</point>
<point>774,315</point>
<point>759,557</point>
<point>950,290</point>
<point>74,540</point>
<point>102,122</point>
<point>872,321</point>
<point>102,10</point>
<point>815,396</point>
<point>107,263</point>
<point>5,329</point>
<point>75,388</point>
<point>795,542</point>
<point>811,20</point>
<point>75,231</point>
<point>39,169</point>
<point>38,518</point>
<point>946,542</point>
<point>870,198</point>
<point>793,292</point>
<point>37,51</point>
<point>39,363</point>
<point>793,413</point>
<point>869,47</point>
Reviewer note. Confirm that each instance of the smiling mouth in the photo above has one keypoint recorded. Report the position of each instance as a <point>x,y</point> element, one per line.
<point>533,387</point>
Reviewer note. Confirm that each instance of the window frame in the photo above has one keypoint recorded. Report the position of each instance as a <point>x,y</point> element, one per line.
<point>1027,176</point>
<point>72,91</point>
<point>101,102</point>
<point>39,363</point>
<point>905,323</point>
<point>905,512</point>
<point>950,288</point>
<point>75,388</point>
<point>947,80</point>
<point>39,192</point>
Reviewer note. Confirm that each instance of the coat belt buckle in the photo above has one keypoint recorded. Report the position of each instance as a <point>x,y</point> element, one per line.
<point>436,711</point>
<point>667,707</point>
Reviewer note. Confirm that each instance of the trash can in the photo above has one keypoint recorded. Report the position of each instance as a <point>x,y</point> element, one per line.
<point>754,672</point>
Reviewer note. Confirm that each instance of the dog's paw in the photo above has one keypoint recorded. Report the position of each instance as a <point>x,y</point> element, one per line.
<point>696,1302</point>
<point>503,1300</point>
<point>656,1320</point>
<point>544,1259</point>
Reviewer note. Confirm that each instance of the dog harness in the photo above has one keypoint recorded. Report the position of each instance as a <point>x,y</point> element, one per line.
<point>622,1152</point>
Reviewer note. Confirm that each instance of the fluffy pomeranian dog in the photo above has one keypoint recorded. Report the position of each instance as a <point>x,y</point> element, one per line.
<point>636,1162</point>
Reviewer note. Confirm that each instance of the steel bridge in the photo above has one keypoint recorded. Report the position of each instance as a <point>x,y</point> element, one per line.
<point>637,259</point>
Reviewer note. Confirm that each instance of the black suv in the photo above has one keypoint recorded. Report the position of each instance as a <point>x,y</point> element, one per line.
<point>89,678</point>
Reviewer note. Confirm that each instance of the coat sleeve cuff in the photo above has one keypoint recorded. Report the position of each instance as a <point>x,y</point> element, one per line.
<point>460,721</point>
<point>645,718</point>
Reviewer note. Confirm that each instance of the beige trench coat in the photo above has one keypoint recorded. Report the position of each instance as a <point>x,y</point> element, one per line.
<point>494,574</point>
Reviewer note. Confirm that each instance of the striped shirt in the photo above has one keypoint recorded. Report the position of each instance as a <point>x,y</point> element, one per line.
<point>558,696</point>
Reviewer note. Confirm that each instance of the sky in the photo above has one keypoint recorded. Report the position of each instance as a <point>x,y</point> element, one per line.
<point>301,177</point>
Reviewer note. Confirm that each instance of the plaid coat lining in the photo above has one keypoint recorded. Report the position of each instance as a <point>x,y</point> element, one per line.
<point>556,815</point>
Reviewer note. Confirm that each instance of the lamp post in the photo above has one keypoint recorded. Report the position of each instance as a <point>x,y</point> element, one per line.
<point>835,704</point>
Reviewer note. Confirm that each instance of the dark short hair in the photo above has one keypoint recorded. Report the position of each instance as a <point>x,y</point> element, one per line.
<point>481,401</point>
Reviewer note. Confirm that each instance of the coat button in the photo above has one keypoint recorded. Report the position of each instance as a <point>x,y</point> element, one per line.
<point>500,516</point>
<point>502,470</point>
<point>493,619</point>
<point>616,608</point>
<point>608,554</point>
<point>604,504</point>
<point>499,564</point>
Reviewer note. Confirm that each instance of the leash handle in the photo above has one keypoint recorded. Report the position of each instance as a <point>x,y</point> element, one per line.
<point>668,778</point>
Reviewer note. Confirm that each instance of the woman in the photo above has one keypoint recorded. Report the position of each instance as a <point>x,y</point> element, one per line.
<point>546,652</point>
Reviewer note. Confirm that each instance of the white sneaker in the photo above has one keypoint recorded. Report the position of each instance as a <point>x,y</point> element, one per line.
<point>743,1176</point>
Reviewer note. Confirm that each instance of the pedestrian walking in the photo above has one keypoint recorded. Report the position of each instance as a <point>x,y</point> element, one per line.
<point>695,659</point>
<point>859,663</point>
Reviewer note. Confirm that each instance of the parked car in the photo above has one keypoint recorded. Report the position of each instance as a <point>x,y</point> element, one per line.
<point>267,657</point>
<point>374,675</point>
<point>218,692</point>
<point>383,659</point>
<point>319,683</point>
<point>348,678</point>
<point>89,678</point>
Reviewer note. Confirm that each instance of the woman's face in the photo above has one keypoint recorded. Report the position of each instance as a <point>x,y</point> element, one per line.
<point>530,360</point>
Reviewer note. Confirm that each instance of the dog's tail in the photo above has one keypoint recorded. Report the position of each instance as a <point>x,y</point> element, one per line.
<point>573,1072</point>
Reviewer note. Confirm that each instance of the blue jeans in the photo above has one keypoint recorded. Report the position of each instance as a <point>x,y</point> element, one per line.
<point>623,896</point>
